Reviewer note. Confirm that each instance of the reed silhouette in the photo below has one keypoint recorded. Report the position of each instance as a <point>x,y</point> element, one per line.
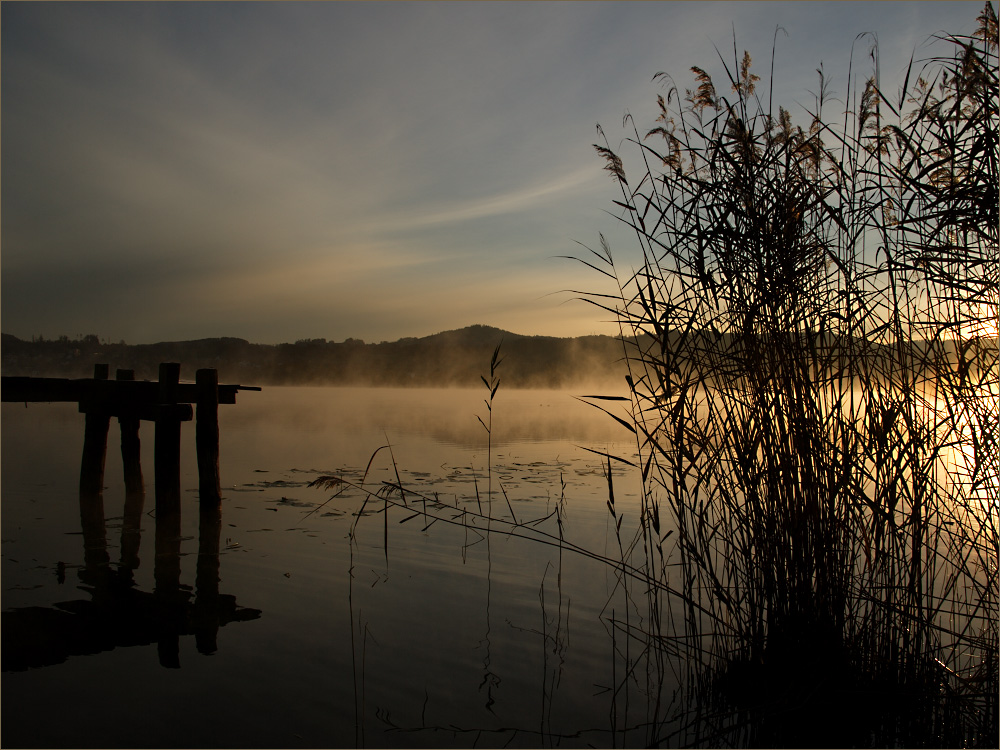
<point>811,341</point>
<point>812,348</point>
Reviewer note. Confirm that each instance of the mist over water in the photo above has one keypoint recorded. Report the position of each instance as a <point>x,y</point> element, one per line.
<point>447,359</point>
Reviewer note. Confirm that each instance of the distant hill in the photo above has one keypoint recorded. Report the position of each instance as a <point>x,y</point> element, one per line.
<point>449,358</point>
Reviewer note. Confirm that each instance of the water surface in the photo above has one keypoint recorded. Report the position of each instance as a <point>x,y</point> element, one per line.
<point>277,631</point>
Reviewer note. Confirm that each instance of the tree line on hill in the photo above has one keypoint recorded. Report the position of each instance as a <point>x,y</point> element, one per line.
<point>452,358</point>
<point>456,358</point>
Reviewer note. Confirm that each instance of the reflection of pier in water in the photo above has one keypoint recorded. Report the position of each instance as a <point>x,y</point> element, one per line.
<point>118,614</point>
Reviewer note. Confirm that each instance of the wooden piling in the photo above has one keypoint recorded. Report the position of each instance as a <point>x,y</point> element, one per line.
<point>95,438</point>
<point>167,480</point>
<point>207,436</point>
<point>167,440</point>
<point>135,490</point>
<point>167,403</point>
<point>128,424</point>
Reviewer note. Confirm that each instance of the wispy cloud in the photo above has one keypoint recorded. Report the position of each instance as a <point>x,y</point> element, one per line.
<point>300,169</point>
<point>530,197</point>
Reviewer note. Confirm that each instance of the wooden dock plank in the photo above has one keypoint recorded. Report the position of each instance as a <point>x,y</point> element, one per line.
<point>130,393</point>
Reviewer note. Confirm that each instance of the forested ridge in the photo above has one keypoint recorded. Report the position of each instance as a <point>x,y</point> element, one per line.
<point>449,358</point>
<point>454,358</point>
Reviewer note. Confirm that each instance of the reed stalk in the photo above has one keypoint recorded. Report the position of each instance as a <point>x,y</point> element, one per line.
<point>811,334</point>
<point>812,349</point>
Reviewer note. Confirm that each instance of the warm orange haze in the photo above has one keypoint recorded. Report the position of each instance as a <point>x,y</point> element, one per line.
<point>358,391</point>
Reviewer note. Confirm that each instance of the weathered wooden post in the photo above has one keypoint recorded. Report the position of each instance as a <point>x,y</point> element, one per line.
<point>135,491</point>
<point>167,447</point>
<point>95,436</point>
<point>128,424</point>
<point>95,448</point>
<point>167,478</point>
<point>207,436</point>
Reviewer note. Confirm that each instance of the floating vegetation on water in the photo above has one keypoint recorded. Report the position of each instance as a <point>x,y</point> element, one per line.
<point>293,503</point>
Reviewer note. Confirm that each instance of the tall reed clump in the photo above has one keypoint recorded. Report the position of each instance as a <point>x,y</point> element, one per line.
<point>812,345</point>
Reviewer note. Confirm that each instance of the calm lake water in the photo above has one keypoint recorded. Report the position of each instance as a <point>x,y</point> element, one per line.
<point>419,634</point>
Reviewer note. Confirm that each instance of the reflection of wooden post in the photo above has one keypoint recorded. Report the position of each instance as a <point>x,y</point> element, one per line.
<point>95,438</point>
<point>206,600</point>
<point>167,577</point>
<point>167,447</point>
<point>131,530</point>
<point>207,436</point>
<point>95,539</point>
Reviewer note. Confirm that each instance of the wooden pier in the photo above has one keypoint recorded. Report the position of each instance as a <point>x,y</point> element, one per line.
<point>167,402</point>
<point>118,614</point>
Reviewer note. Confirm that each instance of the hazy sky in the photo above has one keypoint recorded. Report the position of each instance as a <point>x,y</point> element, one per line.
<point>278,171</point>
